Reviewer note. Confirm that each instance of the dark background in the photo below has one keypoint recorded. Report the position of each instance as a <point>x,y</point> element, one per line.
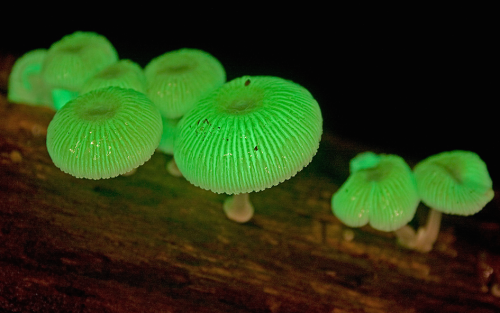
<point>413,90</point>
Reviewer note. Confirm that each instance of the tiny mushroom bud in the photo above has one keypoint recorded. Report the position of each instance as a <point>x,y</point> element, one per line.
<point>104,133</point>
<point>381,191</point>
<point>455,182</point>
<point>251,134</point>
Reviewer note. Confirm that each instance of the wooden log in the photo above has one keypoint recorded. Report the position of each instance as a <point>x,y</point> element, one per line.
<point>151,242</point>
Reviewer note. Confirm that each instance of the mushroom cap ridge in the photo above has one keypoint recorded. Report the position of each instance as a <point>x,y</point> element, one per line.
<point>252,133</point>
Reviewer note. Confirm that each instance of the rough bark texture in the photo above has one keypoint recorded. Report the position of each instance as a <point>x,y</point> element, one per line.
<point>151,242</point>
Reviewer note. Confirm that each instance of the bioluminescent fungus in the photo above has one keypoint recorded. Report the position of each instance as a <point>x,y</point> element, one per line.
<point>176,80</point>
<point>380,191</point>
<point>25,81</point>
<point>71,61</point>
<point>251,134</point>
<point>455,182</point>
<point>124,74</point>
<point>167,144</point>
<point>104,133</point>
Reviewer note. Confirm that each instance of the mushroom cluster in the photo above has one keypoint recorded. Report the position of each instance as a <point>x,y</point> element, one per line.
<point>55,76</point>
<point>384,192</point>
<point>246,135</point>
<point>84,62</point>
<point>454,182</point>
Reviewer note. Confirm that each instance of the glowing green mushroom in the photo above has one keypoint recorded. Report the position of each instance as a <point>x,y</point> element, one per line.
<point>455,182</point>
<point>25,81</point>
<point>381,191</point>
<point>71,61</point>
<point>104,133</point>
<point>176,80</point>
<point>251,134</point>
<point>167,143</point>
<point>124,73</point>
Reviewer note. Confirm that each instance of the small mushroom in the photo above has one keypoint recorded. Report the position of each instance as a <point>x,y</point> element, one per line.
<point>124,74</point>
<point>71,61</point>
<point>251,134</point>
<point>25,81</point>
<point>104,133</point>
<point>177,79</point>
<point>454,182</point>
<point>380,191</point>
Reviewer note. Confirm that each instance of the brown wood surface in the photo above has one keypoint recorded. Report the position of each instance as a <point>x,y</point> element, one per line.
<point>155,243</point>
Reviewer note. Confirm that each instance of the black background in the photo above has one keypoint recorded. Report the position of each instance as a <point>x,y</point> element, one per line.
<point>412,89</point>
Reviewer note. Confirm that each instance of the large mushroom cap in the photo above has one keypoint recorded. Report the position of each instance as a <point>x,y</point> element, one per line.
<point>250,134</point>
<point>75,58</point>
<point>381,191</point>
<point>177,79</point>
<point>104,133</point>
<point>454,182</point>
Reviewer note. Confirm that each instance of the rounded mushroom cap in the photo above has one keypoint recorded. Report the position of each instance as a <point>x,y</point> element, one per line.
<point>176,80</point>
<point>75,58</point>
<point>25,81</point>
<point>381,191</point>
<point>454,182</point>
<point>250,134</point>
<point>124,74</point>
<point>104,133</point>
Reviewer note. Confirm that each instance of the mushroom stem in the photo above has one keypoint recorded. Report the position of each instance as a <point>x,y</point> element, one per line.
<point>172,168</point>
<point>130,173</point>
<point>238,208</point>
<point>424,238</point>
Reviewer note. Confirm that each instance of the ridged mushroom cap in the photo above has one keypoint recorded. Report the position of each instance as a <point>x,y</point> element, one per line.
<point>454,182</point>
<point>381,191</point>
<point>176,80</point>
<point>104,133</point>
<point>25,81</point>
<point>124,74</point>
<point>75,58</point>
<point>250,134</point>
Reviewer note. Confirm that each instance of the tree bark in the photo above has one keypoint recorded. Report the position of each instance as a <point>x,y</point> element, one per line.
<point>152,242</point>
